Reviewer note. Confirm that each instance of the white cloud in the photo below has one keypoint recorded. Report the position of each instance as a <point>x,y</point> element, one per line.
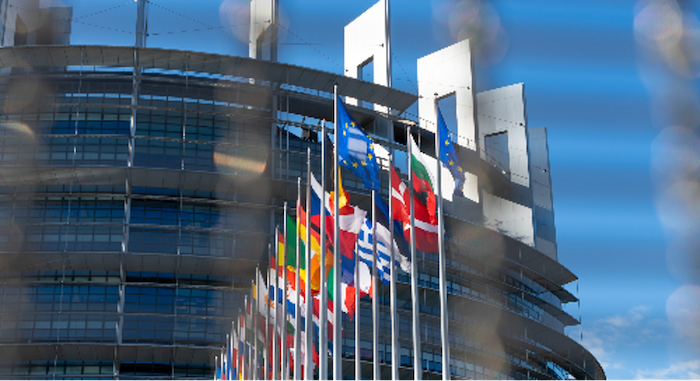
<point>631,318</point>
<point>688,370</point>
<point>609,338</point>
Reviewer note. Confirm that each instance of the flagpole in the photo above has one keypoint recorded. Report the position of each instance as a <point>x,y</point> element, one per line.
<point>444,314</point>
<point>417,362</point>
<point>337,347</point>
<point>323,304</point>
<point>358,364</point>
<point>253,309</point>
<point>274,358</point>
<point>249,342</point>
<point>265,344</point>
<point>249,358</point>
<point>297,308</point>
<point>231,355</point>
<point>231,367</point>
<point>308,321</point>
<point>283,300</point>
<point>375,293</point>
<point>395,348</point>
<point>227,368</point>
<point>239,367</point>
<point>234,328</point>
<point>241,349</point>
<point>242,340</point>
<point>268,362</point>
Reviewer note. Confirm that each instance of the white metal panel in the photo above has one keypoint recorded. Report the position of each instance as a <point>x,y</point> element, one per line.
<point>542,192</point>
<point>470,189</point>
<point>503,110</point>
<point>25,10</point>
<point>445,72</point>
<point>509,218</point>
<point>366,40</point>
<point>261,42</point>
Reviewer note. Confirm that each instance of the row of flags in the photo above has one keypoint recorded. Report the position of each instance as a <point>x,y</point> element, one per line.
<point>274,339</point>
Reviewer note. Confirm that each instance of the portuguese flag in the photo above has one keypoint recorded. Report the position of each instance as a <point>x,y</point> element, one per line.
<point>423,178</point>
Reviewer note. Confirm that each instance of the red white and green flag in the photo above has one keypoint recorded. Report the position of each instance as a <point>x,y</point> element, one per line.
<point>424,179</point>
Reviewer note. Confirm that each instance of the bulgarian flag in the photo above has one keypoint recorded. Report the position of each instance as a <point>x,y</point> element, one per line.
<point>423,178</point>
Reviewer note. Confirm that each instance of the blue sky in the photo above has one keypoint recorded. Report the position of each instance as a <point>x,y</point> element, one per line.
<point>583,72</point>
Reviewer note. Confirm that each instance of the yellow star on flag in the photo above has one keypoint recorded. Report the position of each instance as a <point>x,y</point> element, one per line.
<point>354,165</point>
<point>451,162</point>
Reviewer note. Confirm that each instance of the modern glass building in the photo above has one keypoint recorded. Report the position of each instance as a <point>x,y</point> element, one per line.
<point>140,187</point>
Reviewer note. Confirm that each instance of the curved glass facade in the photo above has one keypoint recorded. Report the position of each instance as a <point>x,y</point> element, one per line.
<point>135,203</point>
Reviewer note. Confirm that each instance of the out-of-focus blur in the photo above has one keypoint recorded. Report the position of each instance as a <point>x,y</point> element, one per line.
<point>476,20</point>
<point>668,39</point>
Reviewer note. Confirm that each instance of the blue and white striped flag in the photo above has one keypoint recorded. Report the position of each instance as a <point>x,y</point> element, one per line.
<point>364,246</point>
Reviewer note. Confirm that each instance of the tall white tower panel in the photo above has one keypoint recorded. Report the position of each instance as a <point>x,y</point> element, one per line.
<point>264,16</point>
<point>367,40</point>
<point>446,72</point>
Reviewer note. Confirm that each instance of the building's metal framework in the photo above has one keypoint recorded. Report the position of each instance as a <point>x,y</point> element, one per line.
<point>140,187</point>
<point>109,232</point>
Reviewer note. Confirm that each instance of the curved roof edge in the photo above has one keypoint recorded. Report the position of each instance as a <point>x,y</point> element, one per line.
<point>169,59</point>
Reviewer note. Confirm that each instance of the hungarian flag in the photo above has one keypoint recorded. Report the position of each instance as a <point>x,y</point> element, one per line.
<point>423,178</point>
<point>426,224</point>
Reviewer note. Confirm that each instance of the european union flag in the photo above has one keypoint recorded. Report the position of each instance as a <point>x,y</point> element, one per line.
<point>448,154</point>
<point>356,149</point>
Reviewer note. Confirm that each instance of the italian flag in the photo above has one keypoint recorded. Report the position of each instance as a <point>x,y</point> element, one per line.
<point>423,178</point>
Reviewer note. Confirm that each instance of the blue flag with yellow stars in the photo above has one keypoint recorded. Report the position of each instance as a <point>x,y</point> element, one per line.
<point>356,149</point>
<point>448,154</point>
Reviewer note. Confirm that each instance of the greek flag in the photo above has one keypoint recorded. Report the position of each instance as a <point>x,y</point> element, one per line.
<point>364,249</point>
